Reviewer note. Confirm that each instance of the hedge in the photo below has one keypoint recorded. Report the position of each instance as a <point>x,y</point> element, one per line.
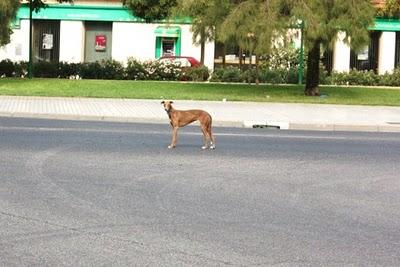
<point>106,69</point>
<point>154,70</point>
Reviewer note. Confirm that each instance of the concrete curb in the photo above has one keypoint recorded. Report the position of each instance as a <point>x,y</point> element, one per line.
<point>345,127</point>
<point>218,123</point>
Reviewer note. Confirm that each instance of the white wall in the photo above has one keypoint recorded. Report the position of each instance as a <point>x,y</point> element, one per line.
<point>139,41</point>
<point>189,49</point>
<point>18,48</point>
<point>387,50</point>
<point>133,40</point>
<point>341,55</point>
<point>129,40</point>
<point>72,36</point>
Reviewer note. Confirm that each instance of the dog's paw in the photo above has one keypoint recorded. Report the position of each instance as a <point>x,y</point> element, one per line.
<point>212,147</point>
<point>171,146</point>
<point>204,147</point>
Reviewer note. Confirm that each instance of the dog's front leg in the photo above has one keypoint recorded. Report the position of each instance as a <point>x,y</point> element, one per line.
<point>174,137</point>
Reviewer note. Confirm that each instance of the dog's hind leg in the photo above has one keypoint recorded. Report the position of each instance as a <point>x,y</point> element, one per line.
<point>205,137</point>
<point>212,142</point>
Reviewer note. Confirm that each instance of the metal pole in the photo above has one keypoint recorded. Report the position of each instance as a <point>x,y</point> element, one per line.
<point>30,67</point>
<point>301,63</point>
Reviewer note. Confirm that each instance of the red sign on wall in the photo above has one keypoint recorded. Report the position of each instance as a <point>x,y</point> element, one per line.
<point>100,42</point>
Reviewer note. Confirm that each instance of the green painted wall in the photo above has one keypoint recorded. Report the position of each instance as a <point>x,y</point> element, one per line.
<point>87,13</point>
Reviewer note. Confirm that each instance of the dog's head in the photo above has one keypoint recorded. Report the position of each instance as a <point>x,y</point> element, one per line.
<point>167,105</point>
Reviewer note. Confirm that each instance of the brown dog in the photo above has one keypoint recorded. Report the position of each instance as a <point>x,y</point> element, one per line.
<point>180,118</point>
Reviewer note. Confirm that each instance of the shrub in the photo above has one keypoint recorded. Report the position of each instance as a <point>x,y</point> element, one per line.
<point>231,74</point>
<point>390,79</point>
<point>44,69</point>
<point>286,57</point>
<point>196,74</point>
<point>250,75</point>
<point>152,70</point>
<point>135,70</point>
<point>67,70</point>
<point>162,71</point>
<point>355,77</point>
<point>265,75</point>
<point>7,68</point>
<point>217,75</point>
<point>21,69</point>
<point>112,70</point>
<point>90,70</point>
<point>272,76</point>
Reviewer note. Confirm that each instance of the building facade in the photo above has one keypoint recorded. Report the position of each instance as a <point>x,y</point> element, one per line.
<point>381,55</point>
<point>88,31</point>
<point>91,30</point>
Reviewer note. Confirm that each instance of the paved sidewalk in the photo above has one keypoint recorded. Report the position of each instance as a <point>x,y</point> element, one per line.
<point>235,114</point>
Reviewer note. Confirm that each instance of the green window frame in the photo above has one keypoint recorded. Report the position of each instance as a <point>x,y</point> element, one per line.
<point>173,32</point>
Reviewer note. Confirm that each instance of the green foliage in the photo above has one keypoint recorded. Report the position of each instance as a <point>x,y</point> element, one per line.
<point>198,74</point>
<point>370,78</point>
<point>105,69</point>
<point>151,70</point>
<point>250,75</point>
<point>285,57</point>
<point>13,69</point>
<point>7,68</point>
<point>392,79</point>
<point>69,70</point>
<point>8,11</point>
<point>253,25</point>
<point>150,10</point>
<point>207,17</point>
<point>159,71</point>
<point>155,70</point>
<point>135,70</point>
<point>229,74</point>
<point>44,69</point>
<point>217,75</point>
<point>390,9</point>
<point>196,91</point>
<point>112,70</point>
<point>354,77</point>
<point>324,19</point>
<point>264,75</point>
<point>276,76</point>
<point>90,70</point>
<point>21,69</point>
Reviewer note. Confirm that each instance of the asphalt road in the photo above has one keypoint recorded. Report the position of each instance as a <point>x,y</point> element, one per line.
<point>112,194</point>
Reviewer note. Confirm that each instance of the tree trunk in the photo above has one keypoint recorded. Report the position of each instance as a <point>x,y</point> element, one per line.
<point>312,79</point>
<point>240,58</point>
<point>224,56</point>
<point>202,47</point>
<point>257,69</point>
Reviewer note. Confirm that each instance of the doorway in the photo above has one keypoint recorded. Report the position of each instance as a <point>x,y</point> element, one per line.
<point>46,40</point>
<point>98,41</point>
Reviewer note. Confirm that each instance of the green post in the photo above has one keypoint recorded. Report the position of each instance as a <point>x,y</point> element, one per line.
<point>30,67</point>
<point>301,63</point>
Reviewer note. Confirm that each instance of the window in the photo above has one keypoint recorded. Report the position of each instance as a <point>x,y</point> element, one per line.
<point>46,40</point>
<point>367,58</point>
<point>168,47</point>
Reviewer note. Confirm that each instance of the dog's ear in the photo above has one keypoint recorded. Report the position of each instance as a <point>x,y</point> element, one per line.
<point>162,102</point>
<point>171,102</point>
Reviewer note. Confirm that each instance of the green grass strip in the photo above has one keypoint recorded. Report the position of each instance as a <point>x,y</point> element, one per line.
<point>197,91</point>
